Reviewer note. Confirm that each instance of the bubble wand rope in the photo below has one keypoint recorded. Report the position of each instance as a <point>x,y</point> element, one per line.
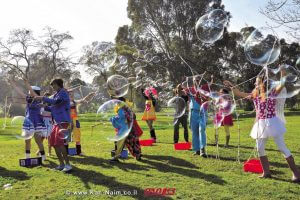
<point>234,100</point>
<point>239,129</point>
<point>238,124</point>
<point>265,68</point>
<point>214,114</point>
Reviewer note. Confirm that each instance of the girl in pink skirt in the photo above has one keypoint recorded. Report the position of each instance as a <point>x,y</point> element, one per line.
<point>227,121</point>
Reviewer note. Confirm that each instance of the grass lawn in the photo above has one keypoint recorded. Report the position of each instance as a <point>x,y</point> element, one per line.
<point>162,167</point>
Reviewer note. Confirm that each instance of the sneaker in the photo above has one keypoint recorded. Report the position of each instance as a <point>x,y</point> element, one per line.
<point>60,167</point>
<point>202,153</point>
<point>67,168</point>
<point>196,153</point>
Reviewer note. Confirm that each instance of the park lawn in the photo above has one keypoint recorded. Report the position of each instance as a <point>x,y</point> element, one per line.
<point>162,167</point>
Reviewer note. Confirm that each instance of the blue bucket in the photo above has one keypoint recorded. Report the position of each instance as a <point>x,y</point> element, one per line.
<point>72,151</point>
<point>124,154</point>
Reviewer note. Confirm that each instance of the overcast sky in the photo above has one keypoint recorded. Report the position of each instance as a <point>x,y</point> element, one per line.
<point>97,20</point>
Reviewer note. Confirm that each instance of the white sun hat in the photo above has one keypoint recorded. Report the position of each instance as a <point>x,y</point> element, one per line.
<point>36,88</point>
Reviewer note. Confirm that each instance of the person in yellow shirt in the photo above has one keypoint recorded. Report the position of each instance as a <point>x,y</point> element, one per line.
<point>75,124</point>
<point>149,112</point>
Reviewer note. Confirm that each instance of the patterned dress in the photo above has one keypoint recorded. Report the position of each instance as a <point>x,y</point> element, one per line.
<point>267,123</point>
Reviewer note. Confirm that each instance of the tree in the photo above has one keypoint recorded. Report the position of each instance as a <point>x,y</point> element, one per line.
<point>284,13</point>
<point>15,52</point>
<point>52,53</point>
<point>37,60</point>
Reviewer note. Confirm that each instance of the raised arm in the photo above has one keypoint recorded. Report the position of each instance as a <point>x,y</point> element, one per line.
<point>236,91</point>
<point>87,98</point>
<point>73,88</point>
<point>27,85</point>
<point>282,83</point>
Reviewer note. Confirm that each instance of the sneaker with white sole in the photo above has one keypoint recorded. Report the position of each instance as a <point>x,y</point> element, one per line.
<point>60,167</point>
<point>67,168</point>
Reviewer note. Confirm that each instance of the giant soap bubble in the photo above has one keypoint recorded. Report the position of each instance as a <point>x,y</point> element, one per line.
<point>24,124</point>
<point>217,109</point>
<point>177,106</point>
<point>17,121</point>
<point>225,105</point>
<point>117,85</point>
<point>262,48</point>
<point>116,117</point>
<point>106,54</point>
<point>287,76</point>
<point>210,27</point>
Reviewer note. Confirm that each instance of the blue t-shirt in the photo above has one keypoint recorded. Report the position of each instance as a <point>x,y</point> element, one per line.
<point>59,106</point>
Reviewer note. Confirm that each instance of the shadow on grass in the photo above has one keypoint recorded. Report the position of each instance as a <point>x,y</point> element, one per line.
<point>160,166</point>
<point>167,168</point>
<point>104,163</point>
<point>279,165</point>
<point>171,160</point>
<point>18,175</point>
<point>89,176</point>
<point>232,159</point>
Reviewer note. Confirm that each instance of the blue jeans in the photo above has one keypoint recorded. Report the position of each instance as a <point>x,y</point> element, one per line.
<point>198,126</point>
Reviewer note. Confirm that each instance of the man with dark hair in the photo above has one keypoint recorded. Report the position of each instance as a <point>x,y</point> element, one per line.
<point>60,110</point>
<point>59,82</point>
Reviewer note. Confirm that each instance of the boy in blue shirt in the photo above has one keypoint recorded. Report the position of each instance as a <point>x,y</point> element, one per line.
<point>60,110</point>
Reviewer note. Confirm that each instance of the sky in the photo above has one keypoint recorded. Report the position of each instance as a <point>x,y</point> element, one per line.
<point>245,12</point>
<point>97,20</point>
<point>86,20</point>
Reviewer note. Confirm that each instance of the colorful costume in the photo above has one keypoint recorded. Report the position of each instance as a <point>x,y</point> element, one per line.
<point>197,119</point>
<point>227,121</point>
<point>122,122</point>
<point>60,110</point>
<point>47,117</point>
<point>268,125</point>
<point>132,140</point>
<point>149,112</point>
<point>75,128</point>
<point>33,122</point>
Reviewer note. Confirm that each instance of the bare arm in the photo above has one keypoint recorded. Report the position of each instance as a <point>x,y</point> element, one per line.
<point>73,88</point>
<point>31,92</point>
<point>86,98</point>
<point>281,85</point>
<point>236,91</point>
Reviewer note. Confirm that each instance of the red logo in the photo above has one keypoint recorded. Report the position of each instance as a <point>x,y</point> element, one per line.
<point>159,191</point>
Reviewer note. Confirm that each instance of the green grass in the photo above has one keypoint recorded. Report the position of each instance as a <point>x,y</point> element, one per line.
<point>162,166</point>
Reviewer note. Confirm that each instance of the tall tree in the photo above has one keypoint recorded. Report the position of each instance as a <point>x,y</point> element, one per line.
<point>286,14</point>
<point>15,52</point>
